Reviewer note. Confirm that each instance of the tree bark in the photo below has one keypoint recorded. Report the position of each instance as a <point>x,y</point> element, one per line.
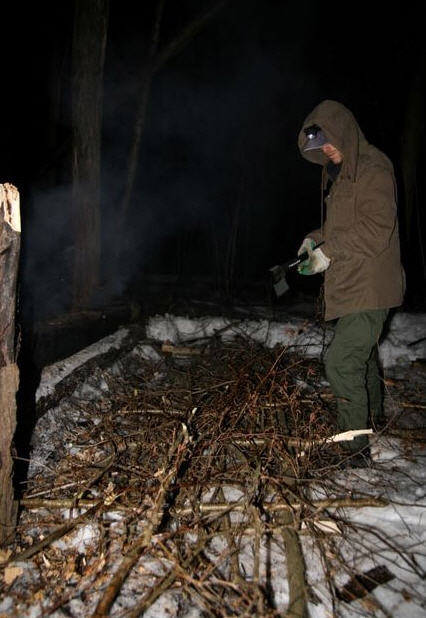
<point>89,42</point>
<point>10,244</point>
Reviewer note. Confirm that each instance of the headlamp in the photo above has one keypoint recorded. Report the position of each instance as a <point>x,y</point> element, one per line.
<point>315,138</point>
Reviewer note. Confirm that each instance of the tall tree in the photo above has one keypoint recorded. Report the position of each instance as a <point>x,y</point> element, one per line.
<point>156,59</point>
<point>411,153</point>
<point>88,55</point>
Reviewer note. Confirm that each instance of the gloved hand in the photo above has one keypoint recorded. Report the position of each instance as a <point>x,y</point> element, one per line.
<point>317,261</point>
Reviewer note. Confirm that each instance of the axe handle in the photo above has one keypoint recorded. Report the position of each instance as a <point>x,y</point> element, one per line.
<point>303,256</point>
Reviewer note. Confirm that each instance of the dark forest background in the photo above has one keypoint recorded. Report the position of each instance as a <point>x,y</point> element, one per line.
<point>157,140</point>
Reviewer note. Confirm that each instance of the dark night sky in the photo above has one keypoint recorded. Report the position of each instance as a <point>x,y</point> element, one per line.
<point>219,151</point>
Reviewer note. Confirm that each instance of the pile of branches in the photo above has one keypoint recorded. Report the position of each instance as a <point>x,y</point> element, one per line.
<point>189,477</point>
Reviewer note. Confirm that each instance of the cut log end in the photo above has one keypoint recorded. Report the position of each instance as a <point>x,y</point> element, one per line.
<point>10,206</point>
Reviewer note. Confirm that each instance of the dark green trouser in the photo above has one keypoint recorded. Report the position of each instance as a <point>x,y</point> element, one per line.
<point>352,369</point>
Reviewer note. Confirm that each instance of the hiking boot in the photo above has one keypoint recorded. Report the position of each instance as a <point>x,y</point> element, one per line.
<point>379,424</point>
<point>361,459</point>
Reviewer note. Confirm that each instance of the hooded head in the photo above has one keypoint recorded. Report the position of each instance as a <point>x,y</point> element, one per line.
<point>331,123</point>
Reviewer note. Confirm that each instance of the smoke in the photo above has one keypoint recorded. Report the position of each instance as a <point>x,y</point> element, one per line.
<point>212,145</point>
<point>214,166</point>
<point>46,252</point>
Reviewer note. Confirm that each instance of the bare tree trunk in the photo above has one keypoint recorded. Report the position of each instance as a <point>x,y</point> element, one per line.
<point>234,231</point>
<point>410,162</point>
<point>10,244</point>
<point>154,63</point>
<point>411,146</point>
<point>144,91</point>
<point>89,41</point>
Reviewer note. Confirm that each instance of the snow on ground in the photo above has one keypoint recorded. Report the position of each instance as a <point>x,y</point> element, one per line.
<point>398,477</point>
<point>404,343</point>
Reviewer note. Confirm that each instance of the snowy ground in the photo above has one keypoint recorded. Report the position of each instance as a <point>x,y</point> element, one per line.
<point>390,535</point>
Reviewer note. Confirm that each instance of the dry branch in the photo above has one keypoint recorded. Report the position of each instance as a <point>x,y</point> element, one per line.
<point>297,605</point>
<point>317,505</point>
<point>179,350</point>
<point>228,471</point>
<point>55,535</point>
<point>166,478</point>
<point>407,404</point>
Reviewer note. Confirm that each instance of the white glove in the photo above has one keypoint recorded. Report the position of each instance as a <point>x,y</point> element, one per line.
<point>317,261</point>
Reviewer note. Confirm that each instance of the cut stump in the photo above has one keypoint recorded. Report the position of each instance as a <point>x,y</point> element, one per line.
<point>10,242</point>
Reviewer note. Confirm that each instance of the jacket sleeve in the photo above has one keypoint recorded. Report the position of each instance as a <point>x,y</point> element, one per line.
<point>316,235</point>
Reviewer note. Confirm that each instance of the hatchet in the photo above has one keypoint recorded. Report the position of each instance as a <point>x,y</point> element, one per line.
<point>279,272</point>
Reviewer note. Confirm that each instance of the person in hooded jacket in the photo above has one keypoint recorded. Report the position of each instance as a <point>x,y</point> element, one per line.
<point>360,258</point>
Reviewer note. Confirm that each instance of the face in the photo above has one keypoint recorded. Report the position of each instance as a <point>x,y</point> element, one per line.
<point>332,153</point>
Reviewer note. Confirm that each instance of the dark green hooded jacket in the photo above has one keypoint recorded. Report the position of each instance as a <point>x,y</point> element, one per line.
<point>360,229</point>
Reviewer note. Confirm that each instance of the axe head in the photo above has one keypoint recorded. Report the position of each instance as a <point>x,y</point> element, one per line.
<point>279,280</point>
